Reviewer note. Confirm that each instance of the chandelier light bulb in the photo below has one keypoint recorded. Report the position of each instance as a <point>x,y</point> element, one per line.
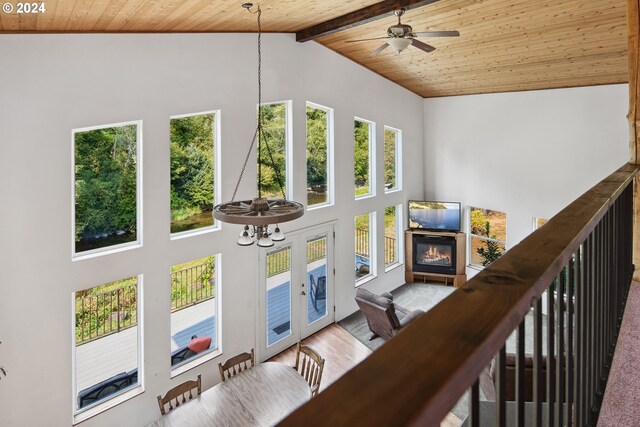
<point>265,241</point>
<point>245,239</point>
<point>277,236</point>
<point>247,231</point>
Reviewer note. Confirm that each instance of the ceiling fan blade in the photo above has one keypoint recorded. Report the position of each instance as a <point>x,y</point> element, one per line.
<point>365,40</point>
<point>380,49</point>
<point>422,46</point>
<point>437,34</point>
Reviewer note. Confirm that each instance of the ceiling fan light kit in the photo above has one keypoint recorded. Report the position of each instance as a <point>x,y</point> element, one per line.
<point>399,43</point>
<point>400,36</point>
<point>259,213</point>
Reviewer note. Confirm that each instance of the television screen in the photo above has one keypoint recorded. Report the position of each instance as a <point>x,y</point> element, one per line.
<point>441,216</point>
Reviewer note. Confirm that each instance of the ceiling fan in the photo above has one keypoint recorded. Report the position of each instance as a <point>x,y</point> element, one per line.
<point>400,36</point>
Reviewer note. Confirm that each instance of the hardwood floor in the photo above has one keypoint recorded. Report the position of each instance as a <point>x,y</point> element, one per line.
<point>341,352</point>
<point>338,347</point>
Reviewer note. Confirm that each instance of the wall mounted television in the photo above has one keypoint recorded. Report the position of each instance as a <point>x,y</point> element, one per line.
<point>435,216</point>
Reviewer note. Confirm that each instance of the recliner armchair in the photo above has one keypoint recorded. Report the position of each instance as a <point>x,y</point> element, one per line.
<point>384,317</point>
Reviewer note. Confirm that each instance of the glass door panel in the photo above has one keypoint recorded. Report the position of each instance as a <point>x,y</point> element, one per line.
<point>296,289</point>
<point>278,294</point>
<point>316,301</point>
<point>316,268</point>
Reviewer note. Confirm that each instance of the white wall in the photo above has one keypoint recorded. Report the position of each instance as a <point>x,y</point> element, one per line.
<point>55,83</point>
<point>528,154</point>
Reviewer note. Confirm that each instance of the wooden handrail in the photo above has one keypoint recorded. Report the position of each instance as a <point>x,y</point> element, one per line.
<point>415,378</point>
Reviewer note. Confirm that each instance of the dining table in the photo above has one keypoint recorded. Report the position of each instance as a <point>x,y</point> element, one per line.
<point>259,396</point>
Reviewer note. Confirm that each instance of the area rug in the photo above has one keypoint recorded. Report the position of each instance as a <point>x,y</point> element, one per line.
<point>410,296</point>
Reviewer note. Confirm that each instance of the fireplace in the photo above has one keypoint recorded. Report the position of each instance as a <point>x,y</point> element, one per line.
<point>434,254</point>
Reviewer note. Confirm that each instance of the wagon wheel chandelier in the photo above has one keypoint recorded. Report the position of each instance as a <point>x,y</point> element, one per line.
<point>258,214</point>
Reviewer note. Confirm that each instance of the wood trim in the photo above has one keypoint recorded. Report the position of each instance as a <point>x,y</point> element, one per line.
<point>472,324</point>
<point>633,34</point>
<point>633,29</point>
<point>358,17</point>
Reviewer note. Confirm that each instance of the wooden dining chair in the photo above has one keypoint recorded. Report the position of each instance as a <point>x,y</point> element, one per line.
<point>184,391</point>
<point>310,365</point>
<point>236,364</point>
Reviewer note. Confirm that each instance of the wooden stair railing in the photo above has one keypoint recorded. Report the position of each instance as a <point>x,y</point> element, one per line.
<point>417,377</point>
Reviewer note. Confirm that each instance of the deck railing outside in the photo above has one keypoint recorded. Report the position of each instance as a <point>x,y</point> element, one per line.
<point>579,262</point>
<point>362,246</point>
<point>192,285</point>
<point>316,249</point>
<point>362,242</point>
<point>115,310</point>
<point>389,250</point>
<point>105,313</point>
<point>279,261</point>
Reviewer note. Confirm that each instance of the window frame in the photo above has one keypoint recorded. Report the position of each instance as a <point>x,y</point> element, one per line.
<point>82,414</point>
<point>288,145</point>
<point>398,160</point>
<point>211,353</point>
<point>217,187</point>
<point>372,159</point>
<point>107,250</point>
<point>373,272</point>
<point>535,222</point>
<point>330,156</point>
<point>399,240</point>
<point>470,235</point>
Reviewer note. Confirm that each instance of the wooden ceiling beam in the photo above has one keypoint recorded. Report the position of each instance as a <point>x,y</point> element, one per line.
<point>358,17</point>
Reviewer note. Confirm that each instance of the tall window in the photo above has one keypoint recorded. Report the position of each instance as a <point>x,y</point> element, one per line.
<point>319,156</point>
<point>276,129</point>
<point>195,309</point>
<point>392,236</point>
<point>364,157</point>
<point>488,235</point>
<point>193,171</point>
<point>392,159</point>
<point>365,238</point>
<point>106,342</point>
<point>106,187</point>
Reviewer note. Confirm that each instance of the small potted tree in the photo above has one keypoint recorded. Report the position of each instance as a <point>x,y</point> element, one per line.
<point>492,251</point>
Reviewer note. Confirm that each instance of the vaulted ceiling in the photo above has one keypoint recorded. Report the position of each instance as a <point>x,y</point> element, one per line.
<point>504,45</point>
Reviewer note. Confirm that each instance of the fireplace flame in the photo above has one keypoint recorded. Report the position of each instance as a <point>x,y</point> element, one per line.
<point>433,255</point>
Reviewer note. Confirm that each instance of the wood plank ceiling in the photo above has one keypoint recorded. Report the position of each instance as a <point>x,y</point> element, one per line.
<point>504,45</point>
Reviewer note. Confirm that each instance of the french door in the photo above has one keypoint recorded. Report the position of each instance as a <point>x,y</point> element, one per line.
<point>296,289</point>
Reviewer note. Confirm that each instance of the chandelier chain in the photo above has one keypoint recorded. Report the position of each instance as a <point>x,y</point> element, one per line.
<point>259,133</point>
<point>259,128</point>
<point>275,170</point>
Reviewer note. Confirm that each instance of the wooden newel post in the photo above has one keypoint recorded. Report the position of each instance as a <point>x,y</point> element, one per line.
<point>633,30</point>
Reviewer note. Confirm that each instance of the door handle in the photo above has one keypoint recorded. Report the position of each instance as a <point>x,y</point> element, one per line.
<point>304,293</point>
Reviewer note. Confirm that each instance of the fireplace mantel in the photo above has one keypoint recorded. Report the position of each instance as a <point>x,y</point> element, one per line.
<point>456,273</point>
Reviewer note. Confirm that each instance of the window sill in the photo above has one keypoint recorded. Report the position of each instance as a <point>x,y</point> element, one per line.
<point>475,267</point>
<point>106,251</point>
<point>195,362</point>
<point>198,232</point>
<point>365,279</point>
<point>393,266</point>
<point>85,414</point>
<point>392,190</point>
<point>319,206</point>
<point>365,196</point>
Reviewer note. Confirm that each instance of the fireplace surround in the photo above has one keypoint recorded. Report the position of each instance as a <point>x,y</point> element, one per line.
<point>434,254</point>
<point>438,255</point>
